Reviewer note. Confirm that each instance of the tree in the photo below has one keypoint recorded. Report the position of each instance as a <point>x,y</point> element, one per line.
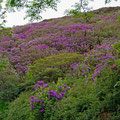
<point>108,1</point>
<point>81,10</point>
<point>33,8</point>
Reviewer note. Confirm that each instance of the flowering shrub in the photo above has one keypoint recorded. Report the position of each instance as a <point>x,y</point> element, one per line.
<point>80,69</point>
<point>46,95</point>
<point>91,101</point>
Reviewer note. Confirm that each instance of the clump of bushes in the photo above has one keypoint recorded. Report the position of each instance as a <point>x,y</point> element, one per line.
<point>33,105</point>
<point>9,81</point>
<point>53,67</point>
<point>3,109</point>
<point>20,108</point>
<point>50,75</point>
<point>91,101</point>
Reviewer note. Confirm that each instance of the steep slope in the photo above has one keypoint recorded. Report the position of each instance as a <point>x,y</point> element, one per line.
<point>75,64</point>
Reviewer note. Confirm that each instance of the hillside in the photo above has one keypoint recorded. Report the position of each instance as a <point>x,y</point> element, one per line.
<point>62,69</point>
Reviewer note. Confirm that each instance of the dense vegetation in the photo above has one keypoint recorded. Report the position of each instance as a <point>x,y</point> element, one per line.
<point>62,69</point>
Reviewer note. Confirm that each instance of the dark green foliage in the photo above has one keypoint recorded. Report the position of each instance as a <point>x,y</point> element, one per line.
<point>20,108</point>
<point>9,81</point>
<point>50,74</point>
<point>3,110</point>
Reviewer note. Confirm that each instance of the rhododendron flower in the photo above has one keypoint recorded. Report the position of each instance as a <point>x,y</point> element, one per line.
<point>32,107</point>
<point>42,105</point>
<point>42,110</point>
<point>45,47</point>
<point>38,100</point>
<point>59,96</point>
<point>62,93</point>
<point>112,66</point>
<point>64,85</point>
<point>68,88</point>
<point>36,89</point>
<point>32,97</point>
<point>32,100</point>
<point>40,82</point>
<point>60,87</point>
<point>46,85</point>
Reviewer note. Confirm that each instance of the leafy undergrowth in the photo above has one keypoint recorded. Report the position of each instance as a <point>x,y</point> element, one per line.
<point>62,69</point>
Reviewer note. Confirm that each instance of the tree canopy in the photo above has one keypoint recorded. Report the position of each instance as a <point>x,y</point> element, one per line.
<point>108,1</point>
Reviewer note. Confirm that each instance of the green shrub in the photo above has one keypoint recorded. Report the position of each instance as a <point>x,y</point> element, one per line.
<point>117,46</point>
<point>87,101</point>
<point>79,100</point>
<point>53,64</point>
<point>20,108</point>
<point>9,81</point>
<point>50,74</point>
<point>3,109</point>
<point>3,63</point>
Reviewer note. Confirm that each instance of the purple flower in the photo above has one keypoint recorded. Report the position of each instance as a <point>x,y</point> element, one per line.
<point>60,87</point>
<point>50,91</point>
<point>112,66</point>
<point>94,79</point>
<point>104,57</point>
<point>49,96</point>
<point>39,86</point>
<point>99,58</point>
<point>59,96</point>
<point>62,93</point>
<point>46,85</point>
<point>36,89</point>
<point>32,100</point>
<point>42,110</point>
<point>45,47</point>
<point>38,100</point>
<point>42,105</point>
<point>40,82</point>
<point>35,85</point>
<point>32,97</point>
<point>64,86</point>
<point>68,88</point>
<point>32,107</point>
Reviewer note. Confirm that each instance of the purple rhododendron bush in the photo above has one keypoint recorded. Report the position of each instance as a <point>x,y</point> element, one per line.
<point>62,69</point>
